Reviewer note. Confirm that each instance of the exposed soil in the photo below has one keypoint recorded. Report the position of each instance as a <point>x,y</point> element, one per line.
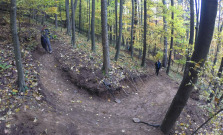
<point>68,107</point>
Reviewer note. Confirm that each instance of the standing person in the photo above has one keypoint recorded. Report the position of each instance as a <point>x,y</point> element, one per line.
<point>45,35</point>
<point>157,66</point>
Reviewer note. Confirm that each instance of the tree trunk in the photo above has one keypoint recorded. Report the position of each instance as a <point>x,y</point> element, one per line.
<point>89,28</point>
<point>67,16</point>
<point>219,38</point>
<point>144,40</point>
<point>191,39</point>
<point>15,40</point>
<point>92,26</point>
<point>197,5</point>
<point>131,42</point>
<point>73,8</point>
<point>56,24</point>
<point>118,44</point>
<point>116,21</point>
<point>105,44</point>
<point>61,17</point>
<point>208,15</point>
<point>80,16</point>
<point>171,42</point>
<point>165,33</point>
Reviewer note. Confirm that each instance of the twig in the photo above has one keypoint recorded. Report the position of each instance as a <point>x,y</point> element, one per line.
<point>207,121</point>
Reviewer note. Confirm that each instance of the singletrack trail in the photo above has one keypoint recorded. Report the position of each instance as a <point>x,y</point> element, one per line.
<point>69,110</point>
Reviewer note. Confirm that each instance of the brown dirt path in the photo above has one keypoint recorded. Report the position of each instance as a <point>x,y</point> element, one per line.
<point>73,111</point>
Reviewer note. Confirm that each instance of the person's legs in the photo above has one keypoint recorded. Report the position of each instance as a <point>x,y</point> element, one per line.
<point>157,71</point>
<point>49,45</point>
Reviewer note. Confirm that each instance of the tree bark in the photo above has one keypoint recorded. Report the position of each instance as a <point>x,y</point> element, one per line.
<point>116,21</point>
<point>16,45</point>
<point>131,42</point>
<point>191,39</point>
<point>105,44</point>
<point>92,26</point>
<point>73,8</point>
<point>67,16</point>
<point>164,63</point>
<point>80,16</point>
<point>89,28</point>
<point>118,44</point>
<point>197,5</point>
<point>56,24</point>
<point>206,29</point>
<point>171,42</point>
<point>145,31</point>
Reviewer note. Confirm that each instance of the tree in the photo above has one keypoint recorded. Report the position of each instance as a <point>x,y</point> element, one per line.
<point>144,40</point>
<point>16,45</point>
<point>165,33</point>
<point>118,44</point>
<point>73,8</point>
<point>131,42</point>
<point>106,58</point>
<point>80,16</point>
<point>171,42</point>
<point>92,26</point>
<point>206,29</point>
<point>116,21</point>
<point>89,28</point>
<point>191,39</point>
<point>56,24</point>
<point>67,16</point>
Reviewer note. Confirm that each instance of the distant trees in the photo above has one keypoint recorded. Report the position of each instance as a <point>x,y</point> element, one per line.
<point>16,45</point>
<point>206,29</point>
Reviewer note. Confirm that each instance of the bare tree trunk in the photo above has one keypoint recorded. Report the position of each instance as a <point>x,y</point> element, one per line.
<point>80,16</point>
<point>165,32</point>
<point>144,40</point>
<point>60,17</point>
<point>191,39</point>
<point>89,28</point>
<point>197,5</point>
<point>92,26</point>
<point>16,44</point>
<point>208,15</point>
<point>116,21</point>
<point>67,16</point>
<point>56,24</point>
<point>105,44</point>
<point>132,27</point>
<point>73,8</point>
<point>118,44</point>
<point>171,42</point>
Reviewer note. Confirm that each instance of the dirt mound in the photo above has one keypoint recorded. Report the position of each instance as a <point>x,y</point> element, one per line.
<point>82,69</point>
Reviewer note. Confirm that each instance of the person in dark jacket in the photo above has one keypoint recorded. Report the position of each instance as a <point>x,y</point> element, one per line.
<point>45,39</point>
<point>157,66</point>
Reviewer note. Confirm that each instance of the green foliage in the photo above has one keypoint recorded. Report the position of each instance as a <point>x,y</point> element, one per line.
<point>4,66</point>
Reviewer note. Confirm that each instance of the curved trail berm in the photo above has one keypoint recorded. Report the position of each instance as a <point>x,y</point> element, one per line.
<point>69,110</point>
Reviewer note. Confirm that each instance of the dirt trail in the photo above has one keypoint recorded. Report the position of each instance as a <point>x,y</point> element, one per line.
<point>73,111</point>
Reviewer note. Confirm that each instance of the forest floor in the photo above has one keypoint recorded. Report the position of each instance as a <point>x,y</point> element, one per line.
<point>60,102</point>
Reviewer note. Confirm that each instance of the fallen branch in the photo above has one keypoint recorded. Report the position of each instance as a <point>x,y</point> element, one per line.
<point>207,121</point>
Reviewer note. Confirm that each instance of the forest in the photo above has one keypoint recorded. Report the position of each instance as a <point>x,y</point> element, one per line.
<point>111,67</point>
